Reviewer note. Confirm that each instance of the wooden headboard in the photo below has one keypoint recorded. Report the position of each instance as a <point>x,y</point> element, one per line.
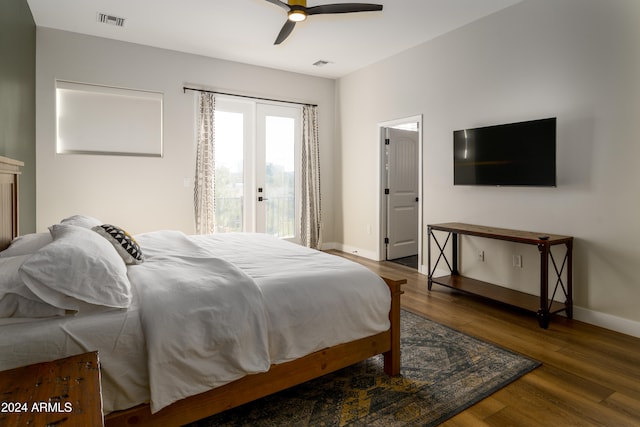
<point>9,172</point>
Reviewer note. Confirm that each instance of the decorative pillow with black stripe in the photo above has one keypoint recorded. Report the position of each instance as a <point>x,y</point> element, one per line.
<point>126,245</point>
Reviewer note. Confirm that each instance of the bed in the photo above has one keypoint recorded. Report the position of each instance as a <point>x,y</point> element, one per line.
<point>305,313</point>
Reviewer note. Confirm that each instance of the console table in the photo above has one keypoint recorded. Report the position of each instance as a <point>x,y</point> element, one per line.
<point>542,305</point>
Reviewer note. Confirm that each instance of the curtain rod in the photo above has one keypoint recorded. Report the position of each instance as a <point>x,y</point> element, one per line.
<point>185,89</point>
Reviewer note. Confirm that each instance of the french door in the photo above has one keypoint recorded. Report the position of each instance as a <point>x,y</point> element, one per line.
<point>257,167</point>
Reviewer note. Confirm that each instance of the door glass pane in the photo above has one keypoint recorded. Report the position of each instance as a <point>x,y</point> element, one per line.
<point>280,176</point>
<point>229,179</point>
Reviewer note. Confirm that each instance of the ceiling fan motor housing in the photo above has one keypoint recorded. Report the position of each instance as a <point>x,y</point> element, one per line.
<point>297,10</point>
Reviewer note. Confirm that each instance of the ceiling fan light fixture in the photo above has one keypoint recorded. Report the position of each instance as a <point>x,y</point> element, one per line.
<point>297,15</point>
<point>297,11</point>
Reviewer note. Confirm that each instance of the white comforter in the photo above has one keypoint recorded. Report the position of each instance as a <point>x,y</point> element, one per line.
<point>289,302</point>
<point>203,319</point>
<point>314,300</point>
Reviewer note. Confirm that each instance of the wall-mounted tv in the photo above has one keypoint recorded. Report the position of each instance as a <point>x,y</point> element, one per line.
<point>514,154</point>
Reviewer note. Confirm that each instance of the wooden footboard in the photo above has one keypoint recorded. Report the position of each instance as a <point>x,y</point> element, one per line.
<point>278,378</point>
<point>392,356</point>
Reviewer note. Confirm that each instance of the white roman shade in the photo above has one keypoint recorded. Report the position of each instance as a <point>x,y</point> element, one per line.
<point>93,119</point>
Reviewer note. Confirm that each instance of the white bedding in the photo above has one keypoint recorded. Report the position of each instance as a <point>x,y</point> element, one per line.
<point>204,320</point>
<point>116,334</point>
<point>312,300</point>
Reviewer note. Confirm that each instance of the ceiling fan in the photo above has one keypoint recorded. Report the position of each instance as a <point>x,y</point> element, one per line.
<point>298,11</point>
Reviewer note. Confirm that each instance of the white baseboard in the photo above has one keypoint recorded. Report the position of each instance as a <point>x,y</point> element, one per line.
<point>607,321</point>
<point>328,246</point>
<point>372,255</point>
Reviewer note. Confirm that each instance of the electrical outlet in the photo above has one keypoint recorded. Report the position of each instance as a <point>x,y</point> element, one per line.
<point>517,261</point>
<point>481,255</point>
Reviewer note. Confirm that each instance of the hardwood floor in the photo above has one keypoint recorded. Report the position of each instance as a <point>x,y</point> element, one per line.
<point>589,376</point>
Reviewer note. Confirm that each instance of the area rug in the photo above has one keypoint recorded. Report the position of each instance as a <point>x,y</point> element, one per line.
<point>443,372</point>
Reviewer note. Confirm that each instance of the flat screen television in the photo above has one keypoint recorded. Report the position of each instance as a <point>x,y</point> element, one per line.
<point>514,154</point>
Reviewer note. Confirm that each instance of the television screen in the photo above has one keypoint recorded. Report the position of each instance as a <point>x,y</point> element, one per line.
<point>515,154</point>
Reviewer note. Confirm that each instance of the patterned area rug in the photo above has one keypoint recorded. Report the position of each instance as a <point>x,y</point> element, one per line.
<point>443,372</point>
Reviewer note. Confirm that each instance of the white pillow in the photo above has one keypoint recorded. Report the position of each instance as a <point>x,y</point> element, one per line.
<point>81,221</point>
<point>10,281</point>
<point>27,244</point>
<point>12,305</point>
<point>16,300</point>
<point>78,265</point>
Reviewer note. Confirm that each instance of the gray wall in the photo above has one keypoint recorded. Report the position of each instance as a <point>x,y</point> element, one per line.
<point>17,99</point>
<point>577,60</point>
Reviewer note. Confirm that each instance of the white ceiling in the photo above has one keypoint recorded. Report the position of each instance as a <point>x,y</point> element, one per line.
<point>244,30</point>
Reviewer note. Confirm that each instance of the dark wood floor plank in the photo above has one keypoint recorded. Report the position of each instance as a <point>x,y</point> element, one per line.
<point>572,402</point>
<point>624,404</point>
<point>572,385</point>
<point>533,404</point>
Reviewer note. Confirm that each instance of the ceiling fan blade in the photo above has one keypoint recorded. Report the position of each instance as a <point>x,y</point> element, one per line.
<point>279,3</point>
<point>343,8</point>
<point>287,28</point>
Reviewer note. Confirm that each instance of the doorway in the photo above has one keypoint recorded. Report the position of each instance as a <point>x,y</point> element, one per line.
<point>401,187</point>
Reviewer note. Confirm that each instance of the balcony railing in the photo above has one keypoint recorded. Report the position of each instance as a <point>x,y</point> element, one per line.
<point>280,215</point>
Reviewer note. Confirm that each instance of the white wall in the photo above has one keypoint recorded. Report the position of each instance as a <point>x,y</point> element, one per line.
<point>577,60</point>
<point>137,193</point>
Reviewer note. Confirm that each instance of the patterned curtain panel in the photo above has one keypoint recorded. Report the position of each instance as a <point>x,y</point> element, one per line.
<point>204,190</point>
<point>310,235</point>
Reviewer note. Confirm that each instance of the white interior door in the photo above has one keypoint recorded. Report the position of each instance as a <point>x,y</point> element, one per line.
<point>402,200</point>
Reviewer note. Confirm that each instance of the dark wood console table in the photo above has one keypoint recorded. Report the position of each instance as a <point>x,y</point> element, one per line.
<point>542,305</point>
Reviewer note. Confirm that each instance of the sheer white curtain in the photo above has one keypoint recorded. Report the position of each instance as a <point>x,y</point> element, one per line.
<point>204,188</point>
<point>310,233</point>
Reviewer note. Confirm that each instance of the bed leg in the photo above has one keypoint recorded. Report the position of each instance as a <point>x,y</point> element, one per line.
<point>392,357</point>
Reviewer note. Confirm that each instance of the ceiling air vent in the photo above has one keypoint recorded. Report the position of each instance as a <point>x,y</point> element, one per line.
<point>110,20</point>
<point>321,63</point>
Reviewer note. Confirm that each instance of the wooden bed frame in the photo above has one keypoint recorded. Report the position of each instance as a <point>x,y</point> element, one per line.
<point>9,173</point>
<point>248,388</point>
